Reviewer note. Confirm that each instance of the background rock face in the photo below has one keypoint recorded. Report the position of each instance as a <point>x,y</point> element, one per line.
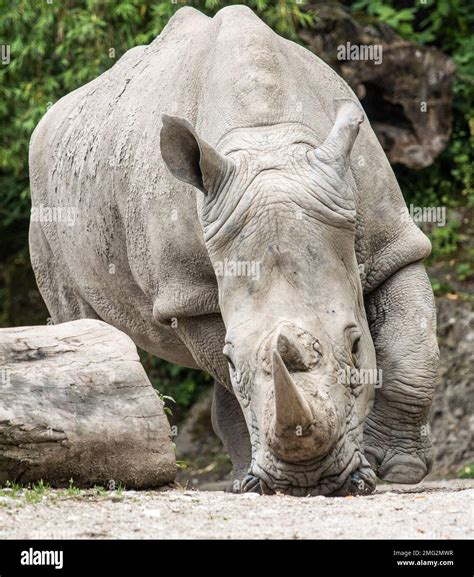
<point>452,414</point>
<point>75,402</point>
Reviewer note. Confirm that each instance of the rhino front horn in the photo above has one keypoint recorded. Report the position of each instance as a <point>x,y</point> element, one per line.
<point>291,408</point>
<point>302,426</point>
<point>336,149</point>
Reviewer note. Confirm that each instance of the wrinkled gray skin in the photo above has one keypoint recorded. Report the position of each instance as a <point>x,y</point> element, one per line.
<point>222,141</point>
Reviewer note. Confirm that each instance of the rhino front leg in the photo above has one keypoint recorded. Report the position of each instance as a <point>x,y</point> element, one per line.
<point>204,337</point>
<point>229,424</point>
<point>402,319</point>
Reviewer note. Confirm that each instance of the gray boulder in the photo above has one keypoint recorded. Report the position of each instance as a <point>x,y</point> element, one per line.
<point>452,414</point>
<point>75,402</point>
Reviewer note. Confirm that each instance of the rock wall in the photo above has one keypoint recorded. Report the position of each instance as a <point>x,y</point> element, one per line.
<point>452,414</point>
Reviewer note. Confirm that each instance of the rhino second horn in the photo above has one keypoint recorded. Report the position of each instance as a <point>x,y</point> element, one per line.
<point>337,147</point>
<point>291,408</point>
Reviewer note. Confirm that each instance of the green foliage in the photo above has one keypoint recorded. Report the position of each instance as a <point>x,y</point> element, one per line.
<point>175,384</point>
<point>446,238</point>
<point>166,399</point>
<point>36,492</point>
<point>467,472</point>
<point>11,489</point>
<point>465,270</point>
<point>100,491</point>
<point>31,493</point>
<point>71,490</point>
<point>401,20</point>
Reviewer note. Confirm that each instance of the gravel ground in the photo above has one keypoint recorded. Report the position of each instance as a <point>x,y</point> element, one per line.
<point>439,510</point>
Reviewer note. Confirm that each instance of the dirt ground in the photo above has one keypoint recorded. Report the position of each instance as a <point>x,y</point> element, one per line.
<point>441,509</point>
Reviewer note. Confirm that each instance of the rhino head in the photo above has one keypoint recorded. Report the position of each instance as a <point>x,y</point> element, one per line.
<point>279,221</point>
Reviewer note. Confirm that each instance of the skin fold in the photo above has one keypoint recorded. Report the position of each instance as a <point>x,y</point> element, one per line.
<point>247,151</point>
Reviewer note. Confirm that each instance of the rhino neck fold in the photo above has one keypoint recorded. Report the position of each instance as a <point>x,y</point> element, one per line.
<point>267,137</point>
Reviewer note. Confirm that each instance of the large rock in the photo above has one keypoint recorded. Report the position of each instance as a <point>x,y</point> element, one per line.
<point>452,413</point>
<point>75,402</point>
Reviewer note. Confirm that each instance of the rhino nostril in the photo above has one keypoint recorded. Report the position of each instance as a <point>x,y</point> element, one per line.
<point>227,351</point>
<point>231,363</point>
<point>250,484</point>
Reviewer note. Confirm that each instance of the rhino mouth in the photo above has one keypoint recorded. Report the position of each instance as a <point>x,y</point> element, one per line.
<point>357,478</point>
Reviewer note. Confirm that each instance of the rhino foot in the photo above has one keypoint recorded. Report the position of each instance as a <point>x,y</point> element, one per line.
<point>399,467</point>
<point>395,459</point>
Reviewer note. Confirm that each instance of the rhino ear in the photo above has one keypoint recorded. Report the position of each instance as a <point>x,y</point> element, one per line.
<point>190,158</point>
<point>336,149</point>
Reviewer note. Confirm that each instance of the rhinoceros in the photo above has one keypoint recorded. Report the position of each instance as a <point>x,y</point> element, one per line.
<point>220,196</point>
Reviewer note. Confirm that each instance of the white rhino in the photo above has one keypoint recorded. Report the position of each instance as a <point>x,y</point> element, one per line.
<point>231,213</point>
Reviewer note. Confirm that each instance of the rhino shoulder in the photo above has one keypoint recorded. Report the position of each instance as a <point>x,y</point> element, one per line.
<point>393,249</point>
